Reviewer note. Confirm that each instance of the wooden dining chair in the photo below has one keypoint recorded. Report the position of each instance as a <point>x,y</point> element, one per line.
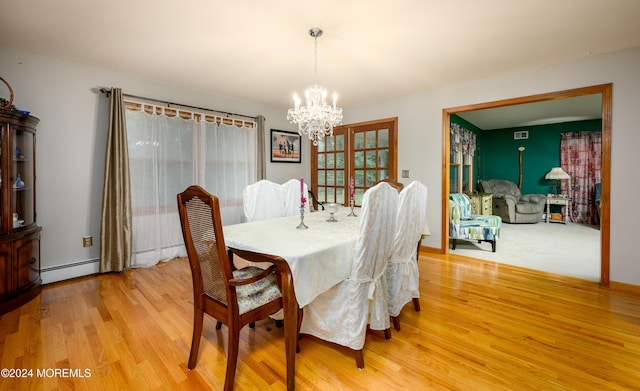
<point>402,273</point>
<point>234,297</point>
<point>341,314</point>
<point>317,205</point>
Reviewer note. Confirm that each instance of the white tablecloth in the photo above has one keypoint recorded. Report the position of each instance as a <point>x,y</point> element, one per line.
<point>319,257</point>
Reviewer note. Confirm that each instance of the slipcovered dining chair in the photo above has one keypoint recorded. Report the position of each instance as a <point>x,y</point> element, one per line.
<point>395,184</point>
<point>341,314</point>
<point>263,200</point>
<point>402,273</point>
<point>232,297</point>
<point>291,194</point>
<point>268,200</point>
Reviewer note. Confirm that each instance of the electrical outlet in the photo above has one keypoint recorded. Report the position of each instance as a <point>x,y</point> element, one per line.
<point>87,241</point>
<point>405,173</point>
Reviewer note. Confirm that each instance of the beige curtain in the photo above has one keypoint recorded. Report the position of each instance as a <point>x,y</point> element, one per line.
<point>115,229</point>
<point>261,163</point>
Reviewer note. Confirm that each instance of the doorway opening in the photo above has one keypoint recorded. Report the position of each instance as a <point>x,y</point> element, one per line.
<point>606,93</point>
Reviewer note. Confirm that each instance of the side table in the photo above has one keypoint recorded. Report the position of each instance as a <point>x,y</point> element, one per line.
<point>559,199</point>
<point>481,203</point>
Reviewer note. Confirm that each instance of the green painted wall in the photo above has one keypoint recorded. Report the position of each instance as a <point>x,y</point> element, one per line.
<point>497,153</point>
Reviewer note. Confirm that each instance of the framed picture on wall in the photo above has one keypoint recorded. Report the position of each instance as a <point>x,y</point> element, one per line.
<point>285,146</point>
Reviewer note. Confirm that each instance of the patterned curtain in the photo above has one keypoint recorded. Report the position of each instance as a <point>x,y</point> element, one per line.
<point>462,140</point>
<point>580,157</point>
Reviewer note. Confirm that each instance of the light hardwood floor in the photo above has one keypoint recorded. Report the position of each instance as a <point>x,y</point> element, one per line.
<point>483,326</point>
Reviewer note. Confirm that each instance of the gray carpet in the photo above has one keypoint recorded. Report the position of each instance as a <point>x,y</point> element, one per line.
<point>571,250</point>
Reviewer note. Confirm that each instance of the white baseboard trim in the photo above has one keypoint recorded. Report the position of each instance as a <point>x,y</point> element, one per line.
<point>69,271</point>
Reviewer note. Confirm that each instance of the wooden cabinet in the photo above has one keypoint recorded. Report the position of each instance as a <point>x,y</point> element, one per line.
<point>19,235</point>
<point>481,203</point>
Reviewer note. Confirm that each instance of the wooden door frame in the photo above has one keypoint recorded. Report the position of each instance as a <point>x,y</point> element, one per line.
<point>605,222</point>
<point>348,133</point>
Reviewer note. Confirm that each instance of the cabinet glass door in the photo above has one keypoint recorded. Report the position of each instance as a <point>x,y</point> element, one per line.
<point>22,178</point>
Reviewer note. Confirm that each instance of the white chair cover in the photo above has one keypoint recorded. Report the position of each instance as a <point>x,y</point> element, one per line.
<point>402,273</point>
<point>291,194</point>
<point>341,314</point>
<point>263,200</point>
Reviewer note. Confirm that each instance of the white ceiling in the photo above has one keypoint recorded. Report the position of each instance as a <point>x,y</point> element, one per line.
<point>539,113</point>
<point>371,49</point>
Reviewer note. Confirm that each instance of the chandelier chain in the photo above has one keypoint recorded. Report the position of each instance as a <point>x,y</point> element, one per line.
<point>315,66</point>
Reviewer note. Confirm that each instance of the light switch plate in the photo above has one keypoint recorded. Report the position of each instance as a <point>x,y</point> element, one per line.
<point>405,173</point>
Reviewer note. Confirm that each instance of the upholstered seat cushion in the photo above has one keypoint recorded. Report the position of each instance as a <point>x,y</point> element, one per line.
<point>527,207</point>
<point>480,227</point>
<point>259,293</point>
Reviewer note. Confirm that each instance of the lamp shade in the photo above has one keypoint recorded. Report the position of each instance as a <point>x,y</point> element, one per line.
<point>557,173</point>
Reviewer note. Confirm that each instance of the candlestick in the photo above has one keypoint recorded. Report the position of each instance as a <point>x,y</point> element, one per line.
<point>352,189</point>
<point>302,225</point>
<point>303,199</point>
<point>352,204</point>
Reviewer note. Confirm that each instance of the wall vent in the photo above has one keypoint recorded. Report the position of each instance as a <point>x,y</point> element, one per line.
<point>521,135</point>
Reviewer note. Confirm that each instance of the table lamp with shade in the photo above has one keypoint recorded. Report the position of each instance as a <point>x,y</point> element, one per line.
<point>557,174</point>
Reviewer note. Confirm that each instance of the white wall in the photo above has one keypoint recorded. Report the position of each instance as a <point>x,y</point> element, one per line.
<point>71,139</point>
<point>71,146</point>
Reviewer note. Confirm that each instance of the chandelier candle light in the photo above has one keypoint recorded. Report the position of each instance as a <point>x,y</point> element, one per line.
<point>316,119</point>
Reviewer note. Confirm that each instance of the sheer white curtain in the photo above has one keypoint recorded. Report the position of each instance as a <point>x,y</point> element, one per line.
<point>229,165</point>
<point>171,150</point>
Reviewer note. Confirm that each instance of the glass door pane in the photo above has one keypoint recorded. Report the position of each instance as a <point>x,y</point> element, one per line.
<point>364,152</point>
<point>22,178</point>
<point>331,165</point>
<point>453,179</point>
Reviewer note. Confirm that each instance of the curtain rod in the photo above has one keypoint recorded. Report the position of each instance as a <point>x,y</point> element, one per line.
<point>107,91</point>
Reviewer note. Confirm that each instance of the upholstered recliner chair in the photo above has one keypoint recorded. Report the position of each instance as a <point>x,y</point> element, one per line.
<point>511,205</point>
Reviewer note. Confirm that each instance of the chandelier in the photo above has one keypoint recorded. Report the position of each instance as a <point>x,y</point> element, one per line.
<point>316,119</point>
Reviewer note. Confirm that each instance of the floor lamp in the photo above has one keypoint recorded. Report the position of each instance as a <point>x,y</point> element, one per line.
<point>520,150</point>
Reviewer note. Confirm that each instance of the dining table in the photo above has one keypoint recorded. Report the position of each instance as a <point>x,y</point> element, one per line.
<point>310,260</point>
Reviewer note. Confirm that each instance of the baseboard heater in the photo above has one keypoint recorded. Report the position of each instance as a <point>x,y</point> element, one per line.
<point>70,270</point>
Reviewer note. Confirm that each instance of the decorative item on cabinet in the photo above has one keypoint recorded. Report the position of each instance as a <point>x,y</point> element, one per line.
<point>18,184</point>
<point>20,279</point>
